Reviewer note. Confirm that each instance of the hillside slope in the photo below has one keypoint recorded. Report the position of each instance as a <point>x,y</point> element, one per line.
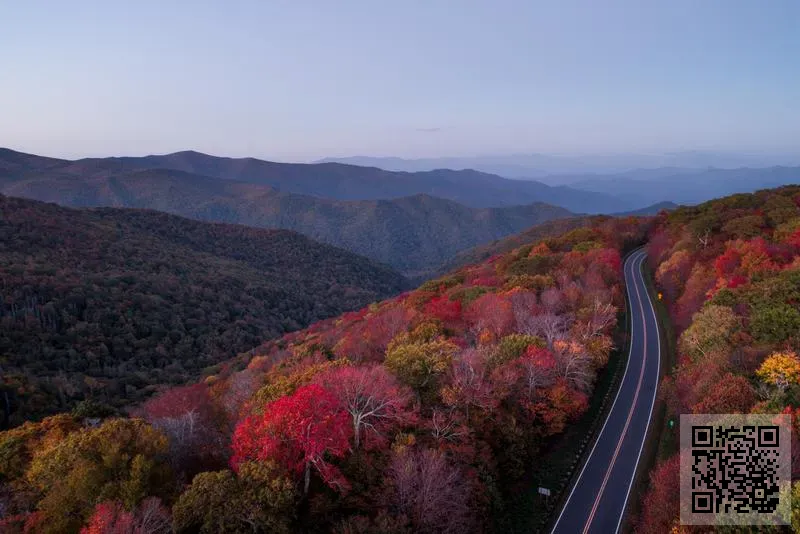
<point>457,387</point>
<point>541,231</point>
<point>113,302</point>
<point>535,233</point>
<point>412,234</point>
<point>729,273</point>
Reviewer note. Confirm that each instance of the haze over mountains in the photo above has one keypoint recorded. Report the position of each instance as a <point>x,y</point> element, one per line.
<point>638,180</point>
<point>557,169</point>
<point>684,186</point>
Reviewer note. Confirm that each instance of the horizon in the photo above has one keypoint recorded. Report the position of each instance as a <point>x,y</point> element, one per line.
<point>417,80</point>
<point>344,159</point>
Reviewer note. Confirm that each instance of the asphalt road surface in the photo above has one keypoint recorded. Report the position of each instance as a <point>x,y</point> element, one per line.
<point>599,497</point>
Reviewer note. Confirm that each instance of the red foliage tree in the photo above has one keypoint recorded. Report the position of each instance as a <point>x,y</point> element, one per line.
<point>672,273</point>
<point>380,328</point>
<point>539,367</point>
<point>364,338</point>
<point>700,282</point>
<point>177,401</point>
<point>693,379</point>
<point>109,517</point>
<point>186,415</point>
<point>562,404</point>
<point>742,259</point>
<point>483,276</point>
<point>486,280</point>
<point>657,248</point>
<point>27,523</point>
<point>297,431</point>
<point>374,399</point>
<point>444,309</point>
<point>661,504</point>
<point>608,261</point>
<point>491,313</point>
<point>730,394</point>
<point>727,263</point>
<point>573,263</point>
<point>794,239</point>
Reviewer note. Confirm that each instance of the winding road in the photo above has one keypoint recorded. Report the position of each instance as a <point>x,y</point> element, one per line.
<point>597,501</point>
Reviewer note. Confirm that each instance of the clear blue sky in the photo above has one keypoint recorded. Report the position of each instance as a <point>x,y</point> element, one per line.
<point>303,79</point>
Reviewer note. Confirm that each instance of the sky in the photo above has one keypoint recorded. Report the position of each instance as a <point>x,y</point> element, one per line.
<point>298,80</point>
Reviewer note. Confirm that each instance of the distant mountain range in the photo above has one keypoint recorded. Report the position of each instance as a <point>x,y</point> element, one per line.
<point>549,167</point>
<point>652,209</point>
<point>134,298</point>
<point>634,180</point>
<point>412,234</point>
<point>327,180</point>
<point>688,187</point>
<point>412,221</point>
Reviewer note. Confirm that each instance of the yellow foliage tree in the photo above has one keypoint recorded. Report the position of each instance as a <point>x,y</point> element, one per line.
<point>781,369</point>
<point>122,460</point>
<point>419,364</point>
<point>279,385</point>
<point>257,499</point>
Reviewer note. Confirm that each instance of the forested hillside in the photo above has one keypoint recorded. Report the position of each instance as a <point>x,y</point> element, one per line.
<point>416,414</point>
<point>535,233</point>
<point>542,230</point>
<point>729,271</point>
<point>415,234</point>
<point>107,304</point>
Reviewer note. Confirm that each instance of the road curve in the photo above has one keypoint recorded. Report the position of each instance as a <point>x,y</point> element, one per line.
<point>597,501</point>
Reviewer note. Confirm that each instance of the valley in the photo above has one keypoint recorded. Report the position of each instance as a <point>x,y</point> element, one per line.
<point>109,304</point>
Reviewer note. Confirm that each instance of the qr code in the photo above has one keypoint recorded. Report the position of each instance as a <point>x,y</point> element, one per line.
<point>735,469</point>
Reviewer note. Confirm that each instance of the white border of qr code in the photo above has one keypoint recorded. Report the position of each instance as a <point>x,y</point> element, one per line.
<point>731,469</point>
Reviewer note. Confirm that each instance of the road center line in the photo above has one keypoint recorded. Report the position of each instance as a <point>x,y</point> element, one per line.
<point>630,412</point>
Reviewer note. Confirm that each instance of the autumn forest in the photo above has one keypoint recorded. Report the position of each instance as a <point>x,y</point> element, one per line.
<point>181,383</point>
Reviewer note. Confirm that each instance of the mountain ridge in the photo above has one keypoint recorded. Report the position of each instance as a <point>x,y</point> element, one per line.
<point>350,182</point>
<point>414,234</point>
<point>547,167</point>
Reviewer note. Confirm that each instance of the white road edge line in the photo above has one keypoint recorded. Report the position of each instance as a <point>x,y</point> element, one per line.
<point>652,404</point>
<point>619,389</point>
